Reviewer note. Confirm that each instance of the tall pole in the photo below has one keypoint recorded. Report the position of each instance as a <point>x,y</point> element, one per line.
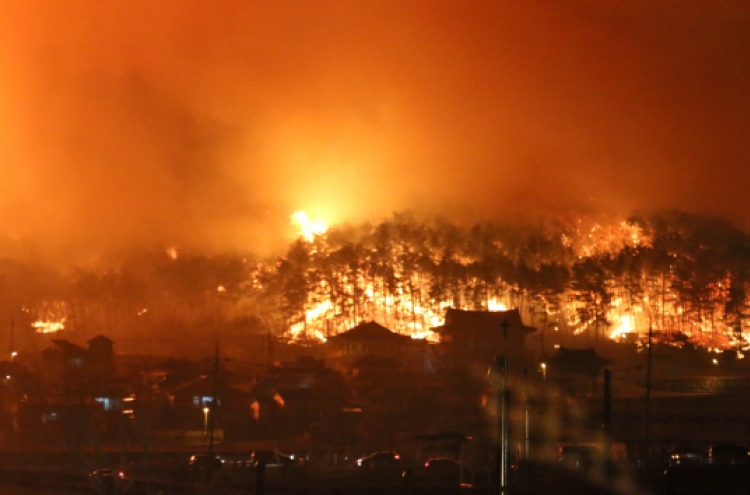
<point>212,415</point>
<point>607,415</point>
<point>12,340</point>
<point>504,410</point>
<point>646,437</point>
<point>505,324</point>
<point>525,416</point>
<point>501,366</point>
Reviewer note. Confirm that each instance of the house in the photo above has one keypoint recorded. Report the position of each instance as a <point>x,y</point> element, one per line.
<point>371,339</point>
<point>68,366</point>
<point>478,336</point>
<point>569,366</point>
<point>295,394</point>
<point>187,398</point>
<point>367,339</point>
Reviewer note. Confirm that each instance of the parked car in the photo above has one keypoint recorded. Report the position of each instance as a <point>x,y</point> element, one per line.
<point>680,456</point>
<point>729,454</point>
<point>110,481</point>
<point>201,462</point>
<point>380,461</point>
<point>443,471</point>
<point>275,459</point>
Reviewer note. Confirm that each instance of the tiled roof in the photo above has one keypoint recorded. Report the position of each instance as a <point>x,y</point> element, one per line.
<point>368,332</point>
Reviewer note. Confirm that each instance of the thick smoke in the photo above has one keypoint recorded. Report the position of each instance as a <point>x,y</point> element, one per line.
<point>173,123</point>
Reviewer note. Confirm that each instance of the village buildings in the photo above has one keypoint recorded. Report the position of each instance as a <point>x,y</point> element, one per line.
<point>368,385</point>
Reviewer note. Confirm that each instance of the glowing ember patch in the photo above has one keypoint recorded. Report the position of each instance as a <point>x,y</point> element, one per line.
<point>49,326</point>
<point>625,327</point>
<point>307,228</point>
<point>495,305</point>
<point>427,335</point>
<point>301,329</point>
<point>221,288</point>
<point>50,317</point>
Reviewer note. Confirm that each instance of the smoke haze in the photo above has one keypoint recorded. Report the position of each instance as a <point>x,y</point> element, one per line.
<point>184,123</point>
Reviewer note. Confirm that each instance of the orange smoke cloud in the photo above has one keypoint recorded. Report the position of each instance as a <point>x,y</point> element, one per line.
<point>183,124</point>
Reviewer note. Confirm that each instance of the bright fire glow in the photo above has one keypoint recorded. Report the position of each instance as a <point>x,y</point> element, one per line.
<point>49,326</point>
<point>307,228</point>
<point>50,317</point>
<point>398,278</point>
<point>495,305</point>
<point>623,328</point>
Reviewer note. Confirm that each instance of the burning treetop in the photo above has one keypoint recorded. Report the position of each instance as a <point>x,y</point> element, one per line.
<point>681,274</point>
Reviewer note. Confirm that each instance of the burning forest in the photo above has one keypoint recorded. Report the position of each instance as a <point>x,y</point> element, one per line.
<point>685,277</point>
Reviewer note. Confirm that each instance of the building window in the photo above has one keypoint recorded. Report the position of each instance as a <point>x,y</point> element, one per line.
<point>204,401</point>
<point>109,404</point>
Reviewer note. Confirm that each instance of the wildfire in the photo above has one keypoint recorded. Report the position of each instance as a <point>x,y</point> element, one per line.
<point>49,326</point>
<point>51,317</point>
<point>403,275</point>
<point>625,327</point>
<point>495,305</point>
<point>300,329</point>
<point>588,237</point>
<point>307,228</point>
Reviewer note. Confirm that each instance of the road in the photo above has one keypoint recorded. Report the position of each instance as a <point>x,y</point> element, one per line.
<point>13,490</point>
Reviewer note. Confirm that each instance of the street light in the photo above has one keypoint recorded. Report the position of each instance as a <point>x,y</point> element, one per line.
<point>205,421</point>
<point>544,372</point>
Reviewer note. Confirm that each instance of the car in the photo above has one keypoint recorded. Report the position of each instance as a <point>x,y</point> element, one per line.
<point>275,459</point>
<point>681,456</point>
<point>729,454</point>
<point>108,480</point>
<point>201,462</point>
<point>443,471</point>
<point>202,466</point>
<point>380,461</point>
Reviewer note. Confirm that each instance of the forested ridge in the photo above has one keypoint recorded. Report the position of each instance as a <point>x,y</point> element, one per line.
<point>685,275</point>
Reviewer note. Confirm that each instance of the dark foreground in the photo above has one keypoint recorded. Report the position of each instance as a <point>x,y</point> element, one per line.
<point>533,480</point>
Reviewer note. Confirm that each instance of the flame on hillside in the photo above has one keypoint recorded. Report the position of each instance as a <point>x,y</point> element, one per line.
<point>307,228</point>
<point>51,317</point>
<point>356,289</point>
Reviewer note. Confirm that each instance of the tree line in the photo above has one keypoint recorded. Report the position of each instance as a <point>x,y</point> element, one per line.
<point>684,275</point>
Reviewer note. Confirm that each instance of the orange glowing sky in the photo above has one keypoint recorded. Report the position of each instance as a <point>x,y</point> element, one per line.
<point>209,123</point>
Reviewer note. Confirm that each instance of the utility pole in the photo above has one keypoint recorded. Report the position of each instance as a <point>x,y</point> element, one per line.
<point>12,340</point>
<point>500,367</point>
<point>505,406</point>
<point>505,324</point>
<point>526,446</point>
<point>607,443</point>
<point>646,438</point>
<point>212,418</point>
